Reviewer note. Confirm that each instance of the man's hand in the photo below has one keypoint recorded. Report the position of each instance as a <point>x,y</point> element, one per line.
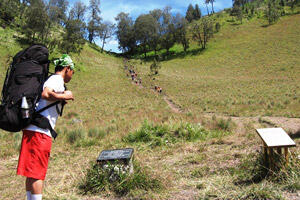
<point>68,95</point>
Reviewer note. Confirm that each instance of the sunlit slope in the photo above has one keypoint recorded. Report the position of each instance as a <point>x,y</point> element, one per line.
<point>103,93</point>
<point>247,69</point>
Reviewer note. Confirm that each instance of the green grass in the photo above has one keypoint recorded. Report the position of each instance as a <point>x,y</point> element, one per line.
<point>247,70</point>
<point>159,135</point>
<point>113,178</point>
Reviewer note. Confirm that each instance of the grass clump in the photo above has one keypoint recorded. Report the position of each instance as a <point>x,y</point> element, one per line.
<point>190,132</point>
<point>96,133</point>
<point>111,177</point>
<point>253,172</point>
<point>75,136</point>
<point>158,135</point>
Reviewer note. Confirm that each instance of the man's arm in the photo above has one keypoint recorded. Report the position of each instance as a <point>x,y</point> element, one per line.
<point>50,95</point>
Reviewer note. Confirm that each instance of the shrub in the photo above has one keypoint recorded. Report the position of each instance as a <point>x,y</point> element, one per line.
<point>149,133</point>
<point>75,135</point>
<point>190,132</point>
<point>218,27</point>
<point>110,177</point>
<point>224,124</point>
<point>253,170</point>
<point>158,135</point>
<point>96,133</point>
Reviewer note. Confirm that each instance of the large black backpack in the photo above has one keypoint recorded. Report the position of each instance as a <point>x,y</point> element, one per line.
<point>25,77</point>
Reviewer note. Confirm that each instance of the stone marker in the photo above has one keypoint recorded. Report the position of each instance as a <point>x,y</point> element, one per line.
<point>117,157</point>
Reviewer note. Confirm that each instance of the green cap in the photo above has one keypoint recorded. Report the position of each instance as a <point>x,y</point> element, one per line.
<point>65,60</point>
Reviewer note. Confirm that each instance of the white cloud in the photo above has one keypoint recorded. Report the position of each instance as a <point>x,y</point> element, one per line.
<point>113,42</point>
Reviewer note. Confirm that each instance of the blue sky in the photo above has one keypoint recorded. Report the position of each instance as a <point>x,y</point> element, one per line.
<point>111,8</point>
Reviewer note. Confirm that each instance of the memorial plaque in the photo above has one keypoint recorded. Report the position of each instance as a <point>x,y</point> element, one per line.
<point>116,154</point>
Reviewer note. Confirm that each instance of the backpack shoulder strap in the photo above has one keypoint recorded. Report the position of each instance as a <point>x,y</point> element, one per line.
<point>42,122</point>
<point>49,106</point>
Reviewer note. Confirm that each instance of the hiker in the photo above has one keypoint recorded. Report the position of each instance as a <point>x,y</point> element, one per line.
<point>36,142</point>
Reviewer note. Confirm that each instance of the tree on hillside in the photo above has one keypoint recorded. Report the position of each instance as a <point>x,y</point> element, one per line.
<point>78,11</point>
<point>57,11</point>
<point>189,16</point>
<point>156,13</point>
<point>181,27</point>
<point>95,19</point>
<point>206,3</point>
<point>237,12</point>
<point>197,12</point>
<point>125,32</point>
<point>293,3</point>
<point>212,5</point>
<point>156,39</point>
<point>106,32</point>
<point>154,67</point>
<point>145,28</point>
<point>272,12</point>
<point>73,36</point>
<point>203,31</point>
<point>282,3</point>
<point>8,10</point>
<point>36,23</point>
<point>168,30</point>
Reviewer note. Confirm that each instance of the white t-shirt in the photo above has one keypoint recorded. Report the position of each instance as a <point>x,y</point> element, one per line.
<point>56,83</point>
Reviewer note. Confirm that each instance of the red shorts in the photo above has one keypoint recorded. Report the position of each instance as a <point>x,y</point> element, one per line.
<point>34,155</point>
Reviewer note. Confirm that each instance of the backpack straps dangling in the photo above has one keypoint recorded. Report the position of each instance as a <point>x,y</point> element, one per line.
<point>43,122</point>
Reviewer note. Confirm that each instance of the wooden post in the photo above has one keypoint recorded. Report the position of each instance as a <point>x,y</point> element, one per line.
<point>265,148</point>
<point>286,155</point>
<point>279,151</point>
<point>271,164</point>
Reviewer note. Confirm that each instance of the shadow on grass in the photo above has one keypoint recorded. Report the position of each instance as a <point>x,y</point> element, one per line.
<point>266,25</point>
<point>173,55</point>
<point>252,170</point>
<point>235,24</point>
<point>23,42</point>
<point>95,47</point>
<point>295,135</point>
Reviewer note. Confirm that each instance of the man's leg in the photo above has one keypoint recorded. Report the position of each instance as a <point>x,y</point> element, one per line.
<point>35,186</point>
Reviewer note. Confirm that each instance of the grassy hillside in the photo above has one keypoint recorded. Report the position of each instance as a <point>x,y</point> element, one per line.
<point>247,70</point>
<point>182,155</point>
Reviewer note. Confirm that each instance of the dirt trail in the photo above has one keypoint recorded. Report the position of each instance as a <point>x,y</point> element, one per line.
<point>291,125</point>
<point>174,107</point>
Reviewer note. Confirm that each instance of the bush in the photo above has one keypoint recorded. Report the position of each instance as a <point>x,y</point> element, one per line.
<point>190,132</point>
<point>218,27</point>
<point>96,133</point>
<point>75,135</point>
<point>158,135</point>
<point>149,133</point>
<point>253,170</point>
<point>111,178</point>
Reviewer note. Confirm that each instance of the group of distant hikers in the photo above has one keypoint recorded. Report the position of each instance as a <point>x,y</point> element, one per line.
<point>130,72</point>
<point>134,77</point>
<point>32,102</point>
